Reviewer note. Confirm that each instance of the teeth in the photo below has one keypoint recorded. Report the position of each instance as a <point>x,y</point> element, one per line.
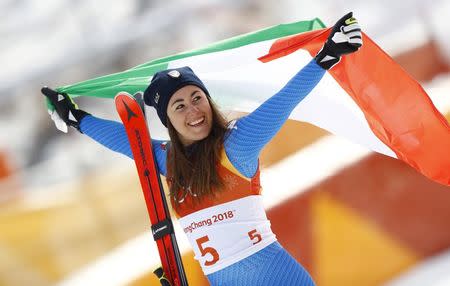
<point>197,121</point>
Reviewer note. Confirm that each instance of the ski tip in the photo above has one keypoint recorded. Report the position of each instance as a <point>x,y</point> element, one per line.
<point>127,106</point>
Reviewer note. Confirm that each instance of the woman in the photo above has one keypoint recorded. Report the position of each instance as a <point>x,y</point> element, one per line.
<point>212,166</point>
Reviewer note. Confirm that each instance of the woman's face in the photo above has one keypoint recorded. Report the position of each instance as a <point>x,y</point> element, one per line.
<point>190,113</point>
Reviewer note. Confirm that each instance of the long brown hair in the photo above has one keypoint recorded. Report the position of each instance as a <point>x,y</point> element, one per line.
<point>194,169</point>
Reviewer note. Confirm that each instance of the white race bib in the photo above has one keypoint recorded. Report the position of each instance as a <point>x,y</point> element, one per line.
<point>227,233</point>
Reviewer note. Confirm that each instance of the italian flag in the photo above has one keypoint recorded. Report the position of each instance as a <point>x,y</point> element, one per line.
<point>366,98</point>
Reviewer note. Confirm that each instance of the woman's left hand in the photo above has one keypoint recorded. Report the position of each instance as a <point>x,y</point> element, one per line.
<point>344,38</point>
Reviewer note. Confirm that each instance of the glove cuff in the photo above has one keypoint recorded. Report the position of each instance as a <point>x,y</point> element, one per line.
<point>78,115</point>
<point>326,59</point>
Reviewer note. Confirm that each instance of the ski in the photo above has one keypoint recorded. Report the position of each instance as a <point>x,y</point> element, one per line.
<point>132,115</point>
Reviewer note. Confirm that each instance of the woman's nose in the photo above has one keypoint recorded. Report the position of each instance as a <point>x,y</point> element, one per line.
<point>193,108</point>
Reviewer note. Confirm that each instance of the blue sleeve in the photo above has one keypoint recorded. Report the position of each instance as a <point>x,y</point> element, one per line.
<point>112,135</point>
<point>251,133</point>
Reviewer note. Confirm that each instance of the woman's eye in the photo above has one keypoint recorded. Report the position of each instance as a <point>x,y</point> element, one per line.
<point>179,107</point>
<point>197,98</point>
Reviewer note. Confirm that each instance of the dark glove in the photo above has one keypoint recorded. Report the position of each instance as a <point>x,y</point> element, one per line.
<point>345,38</point>
<point>66,111</point>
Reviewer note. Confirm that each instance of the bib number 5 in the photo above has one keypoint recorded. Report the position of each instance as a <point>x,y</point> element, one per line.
<point>207,250</point>
<point>255,237</point>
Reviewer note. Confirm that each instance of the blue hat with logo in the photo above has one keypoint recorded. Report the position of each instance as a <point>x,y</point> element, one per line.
<point>164,84</point>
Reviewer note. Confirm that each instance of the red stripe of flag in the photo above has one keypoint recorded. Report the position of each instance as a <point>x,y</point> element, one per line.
<point>396,107</point>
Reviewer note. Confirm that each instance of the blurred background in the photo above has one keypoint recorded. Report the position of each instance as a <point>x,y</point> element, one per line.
<point>72,212</point>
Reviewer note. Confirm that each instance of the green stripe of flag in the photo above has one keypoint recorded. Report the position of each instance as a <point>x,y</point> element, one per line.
<point>270,33</point>
<point>137,78</point>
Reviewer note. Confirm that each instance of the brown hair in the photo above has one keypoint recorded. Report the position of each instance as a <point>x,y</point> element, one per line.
<point>194,169</point>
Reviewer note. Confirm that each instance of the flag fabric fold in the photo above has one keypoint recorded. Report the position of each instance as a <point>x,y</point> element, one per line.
<point>367,97</point>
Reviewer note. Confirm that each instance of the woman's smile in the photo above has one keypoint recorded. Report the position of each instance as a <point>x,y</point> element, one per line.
<point>197,123</point>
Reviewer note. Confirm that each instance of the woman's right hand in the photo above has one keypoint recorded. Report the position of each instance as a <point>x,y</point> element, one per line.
<point>66,111</point>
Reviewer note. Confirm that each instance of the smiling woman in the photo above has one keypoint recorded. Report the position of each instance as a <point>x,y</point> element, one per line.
<point>194,123</point>
<point>197,130</point>
<point>212,166</point>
